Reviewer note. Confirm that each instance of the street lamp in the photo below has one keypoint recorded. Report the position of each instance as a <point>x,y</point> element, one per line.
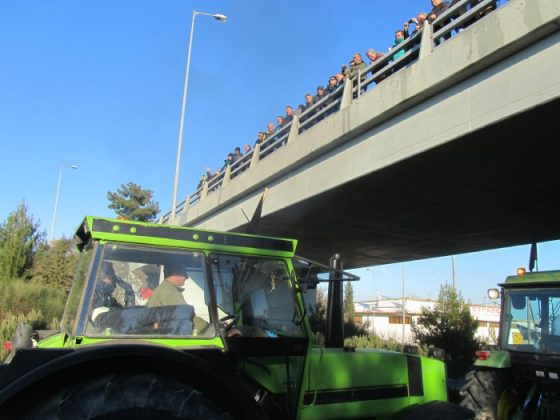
<point>221,18</point>
<point>372,281</point>
<point>374,297</point>
<point>57,197</point>
<point>403,305</point>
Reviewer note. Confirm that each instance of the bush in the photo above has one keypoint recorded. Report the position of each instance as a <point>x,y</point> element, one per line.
<point>375,342</point>
<point>26,302</point>
<point>11,321</point>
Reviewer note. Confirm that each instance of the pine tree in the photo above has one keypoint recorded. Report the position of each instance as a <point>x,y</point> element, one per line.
<point>19,240</point>
<point>318,315</point>
<point>449,326</point>
<point>55,264</point>
<point>349,302</point>
<point>132,202</point>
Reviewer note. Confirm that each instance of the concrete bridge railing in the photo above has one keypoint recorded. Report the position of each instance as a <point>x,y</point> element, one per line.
<point>417,47</point>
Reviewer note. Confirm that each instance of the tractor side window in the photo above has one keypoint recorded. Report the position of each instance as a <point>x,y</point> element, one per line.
<point>70,317</point>
<point>148,291</point>
<point>255,296</point>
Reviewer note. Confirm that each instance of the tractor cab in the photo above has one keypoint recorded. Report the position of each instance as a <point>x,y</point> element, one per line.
<point>531,313</point>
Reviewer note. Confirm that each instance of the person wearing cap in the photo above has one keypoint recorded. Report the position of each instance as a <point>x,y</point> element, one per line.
<point>170,291</point>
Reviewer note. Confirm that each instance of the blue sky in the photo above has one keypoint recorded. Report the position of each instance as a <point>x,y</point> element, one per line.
<point>99,84</point>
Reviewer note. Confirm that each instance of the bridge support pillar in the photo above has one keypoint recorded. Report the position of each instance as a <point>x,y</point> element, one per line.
<point>427,41</point>
<point>227,176</point>
<point>294,129</point>
<point>204,192</point>
<point>346,94</point>
<point>256,155</point>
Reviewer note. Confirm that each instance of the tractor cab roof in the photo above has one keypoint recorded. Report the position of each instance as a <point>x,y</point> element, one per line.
<point>119,230</point>
<point>544,278</point>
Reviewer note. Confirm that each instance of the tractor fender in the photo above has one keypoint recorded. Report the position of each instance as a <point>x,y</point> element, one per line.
<point>214,379</point>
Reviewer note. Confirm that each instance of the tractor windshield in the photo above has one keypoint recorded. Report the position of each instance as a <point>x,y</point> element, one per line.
<point>149,291</point>
<point>532,320</point>
<point>255,296</point>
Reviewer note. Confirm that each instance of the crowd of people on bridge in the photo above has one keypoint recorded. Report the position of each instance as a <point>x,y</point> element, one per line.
<point>324,102</point>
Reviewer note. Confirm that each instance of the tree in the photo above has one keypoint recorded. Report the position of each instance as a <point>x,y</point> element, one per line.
<point>55,265</point>
<point>450,326</point>
<point>318,315</point>
<point>19,240</point>
<point>349,302</point>
<point>133,202</point>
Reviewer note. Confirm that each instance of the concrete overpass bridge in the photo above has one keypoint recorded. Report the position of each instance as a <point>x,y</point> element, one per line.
<point>456,150</point>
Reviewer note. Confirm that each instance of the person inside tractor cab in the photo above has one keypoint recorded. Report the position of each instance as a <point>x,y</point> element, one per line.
<point>107,282</point>
<point>170,293</point>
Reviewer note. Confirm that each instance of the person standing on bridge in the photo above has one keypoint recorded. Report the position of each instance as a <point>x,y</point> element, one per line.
<point>399,39</point>
<point>289,115</point>
<point>373,56</point>
<point>340,78</point>
<point>235,161</point>
<point>329,91</point>
<point>228,161</point>
<point>439,7</point>
<point>331,86</point>
<point>357,66</point>
<point>279,122</point>
<point>320,95</point>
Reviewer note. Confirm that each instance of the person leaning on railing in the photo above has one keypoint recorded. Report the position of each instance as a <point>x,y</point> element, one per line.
<point>399,38</point>
<point>438,7</point>
<point>289,115</point>
<point>373,56</point>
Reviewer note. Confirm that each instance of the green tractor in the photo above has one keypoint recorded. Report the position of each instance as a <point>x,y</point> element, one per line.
<point>520,378</point>
<point>172,322</point>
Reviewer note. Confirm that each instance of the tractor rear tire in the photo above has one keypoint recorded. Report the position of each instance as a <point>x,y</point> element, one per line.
<point>138,395</point>
<point>482,392</point>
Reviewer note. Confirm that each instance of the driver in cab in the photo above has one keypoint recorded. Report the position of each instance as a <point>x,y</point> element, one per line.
<point>170,293</point>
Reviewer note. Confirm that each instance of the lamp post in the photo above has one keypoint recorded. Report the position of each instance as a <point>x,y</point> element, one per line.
<point>374,297</point>
<point>221,18</point>
<point>403,306</point>
<point>372,281</point>
<point>57,197</point>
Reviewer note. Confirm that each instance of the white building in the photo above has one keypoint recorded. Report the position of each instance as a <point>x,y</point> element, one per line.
<point>385,317</point>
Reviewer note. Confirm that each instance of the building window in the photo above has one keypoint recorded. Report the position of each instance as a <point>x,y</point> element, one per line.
<point>487,324</point>
<point>398,320</point>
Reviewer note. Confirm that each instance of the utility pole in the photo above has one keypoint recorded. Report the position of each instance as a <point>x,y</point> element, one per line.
<point>403,305</point>
<point>453,271</point>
